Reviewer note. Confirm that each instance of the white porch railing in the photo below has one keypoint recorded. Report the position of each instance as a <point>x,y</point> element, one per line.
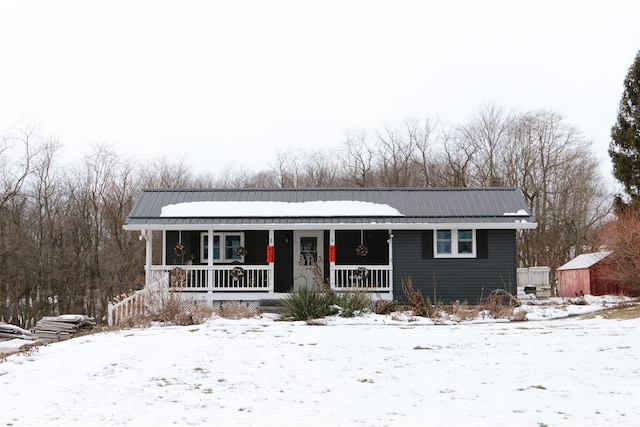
<point>228,278</point>
<point>374,278</point>
<point>135,305</point>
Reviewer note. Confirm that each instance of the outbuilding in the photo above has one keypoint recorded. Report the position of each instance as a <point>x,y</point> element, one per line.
<point>589,274</point>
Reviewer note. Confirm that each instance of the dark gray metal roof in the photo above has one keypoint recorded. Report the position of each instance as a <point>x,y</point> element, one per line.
<point>418,206</point>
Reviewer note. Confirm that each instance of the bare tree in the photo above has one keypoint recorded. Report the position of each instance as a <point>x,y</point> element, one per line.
<point>458,159</point>
<point>396,154</point>
<point>553,165</point>
<point>287,169</point>
<point>487,133</point>
<point>319,169</point>
<point>164,173</point>
<point>424,139</point>
<point>358,161</point>
<point>16,155</point>
<point>622,237</point>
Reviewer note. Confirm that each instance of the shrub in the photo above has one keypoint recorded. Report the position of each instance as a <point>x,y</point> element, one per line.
<point>168,306</point>
<point>420,305</point>
<point>353,304</point>
<point>500,304</point>
<point>385,307</point>
<point>306,303</point>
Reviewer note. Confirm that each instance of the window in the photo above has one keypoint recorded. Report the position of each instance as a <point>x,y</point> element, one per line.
<point>465,241</point>
<point>443,242</point>
<point>455,243</point>
<point>225,247</point>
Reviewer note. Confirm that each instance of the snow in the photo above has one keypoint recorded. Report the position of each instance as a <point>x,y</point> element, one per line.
<point>372,370</point>
<point>13,344</point>
<point>278,209</point>
<point>14,329</point>
<point>520,212</point>
<point>584,261</point>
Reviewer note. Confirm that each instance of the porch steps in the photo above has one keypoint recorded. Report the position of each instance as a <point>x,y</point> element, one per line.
<point>270,306</point>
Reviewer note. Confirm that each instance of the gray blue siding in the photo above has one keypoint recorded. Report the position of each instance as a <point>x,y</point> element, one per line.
<point>454,279</point>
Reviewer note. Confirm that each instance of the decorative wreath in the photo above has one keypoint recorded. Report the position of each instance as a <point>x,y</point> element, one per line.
<point>362,272</point>
<point>241,251</point>
<point>178,249</point>
<point>362,250</point>
<point>237,272</point>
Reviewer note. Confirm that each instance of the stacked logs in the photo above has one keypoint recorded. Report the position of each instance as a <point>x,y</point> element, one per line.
<point>50,329</point>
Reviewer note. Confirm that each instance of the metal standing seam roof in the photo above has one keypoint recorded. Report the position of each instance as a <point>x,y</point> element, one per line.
<point>417,206</point>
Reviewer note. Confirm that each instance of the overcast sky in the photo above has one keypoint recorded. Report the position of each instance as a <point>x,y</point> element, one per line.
<point>229,83</point>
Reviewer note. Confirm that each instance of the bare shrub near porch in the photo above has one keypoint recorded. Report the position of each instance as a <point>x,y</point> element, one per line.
<point>420,305</point>
<point>382,306</point>
<point>168,306</point>
<point>236,310</point>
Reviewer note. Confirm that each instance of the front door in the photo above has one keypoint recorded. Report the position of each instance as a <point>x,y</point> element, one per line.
<point>307,258</point>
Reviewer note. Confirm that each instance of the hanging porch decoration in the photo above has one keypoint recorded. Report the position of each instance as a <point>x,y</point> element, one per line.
<point>362,250</point>
<point>178,249</point>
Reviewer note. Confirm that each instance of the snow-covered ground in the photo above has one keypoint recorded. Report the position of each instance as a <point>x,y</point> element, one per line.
<point>368,371</point>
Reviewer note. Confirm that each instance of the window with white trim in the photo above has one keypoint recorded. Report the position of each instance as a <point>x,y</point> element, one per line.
<point>454,243</point>
<point>226,247</point>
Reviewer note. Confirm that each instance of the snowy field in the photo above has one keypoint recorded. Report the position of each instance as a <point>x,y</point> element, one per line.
<point>370,371</point>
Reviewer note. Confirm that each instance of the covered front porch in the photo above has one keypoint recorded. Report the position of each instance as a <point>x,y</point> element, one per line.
<point>253,264</point>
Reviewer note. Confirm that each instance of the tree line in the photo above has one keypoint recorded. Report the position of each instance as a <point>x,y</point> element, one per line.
<point>63,249</point>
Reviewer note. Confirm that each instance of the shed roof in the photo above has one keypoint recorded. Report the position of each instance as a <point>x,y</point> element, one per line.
<point>584,261</point>
<point>423,207</point>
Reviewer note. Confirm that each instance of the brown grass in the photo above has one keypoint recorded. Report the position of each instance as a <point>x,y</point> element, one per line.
<point>500,304</point>
<point>625,313</point>
<point>462,311</point>
<point>236,310</point>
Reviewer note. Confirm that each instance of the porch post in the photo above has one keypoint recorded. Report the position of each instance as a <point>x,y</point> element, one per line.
<point>164,248</point>
<point>332,257</point>
<point>210,260</point>
<point>271,260</point>
<point>147,236</point>
<point>390,244</point>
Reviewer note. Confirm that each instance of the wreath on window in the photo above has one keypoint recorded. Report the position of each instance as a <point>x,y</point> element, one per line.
<point>241,251</point>
<point>178,249</point>
<point>237,272</point>
<point>362,250</point>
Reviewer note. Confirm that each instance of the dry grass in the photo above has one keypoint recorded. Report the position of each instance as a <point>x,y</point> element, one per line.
<point>26,349</point>
<point>384,307</point>
<point>236,310</point>
<point>462,311</point>
<point>500,304</point>
<point>616,313</point>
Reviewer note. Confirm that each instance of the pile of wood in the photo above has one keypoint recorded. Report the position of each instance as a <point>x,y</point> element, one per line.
<point>63,327</point>
<point>9,332</point>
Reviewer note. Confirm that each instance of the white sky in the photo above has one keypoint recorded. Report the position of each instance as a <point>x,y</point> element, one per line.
<point>224,82</point>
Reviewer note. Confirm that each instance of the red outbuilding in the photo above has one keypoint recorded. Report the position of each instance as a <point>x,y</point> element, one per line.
<point>589,274</point>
